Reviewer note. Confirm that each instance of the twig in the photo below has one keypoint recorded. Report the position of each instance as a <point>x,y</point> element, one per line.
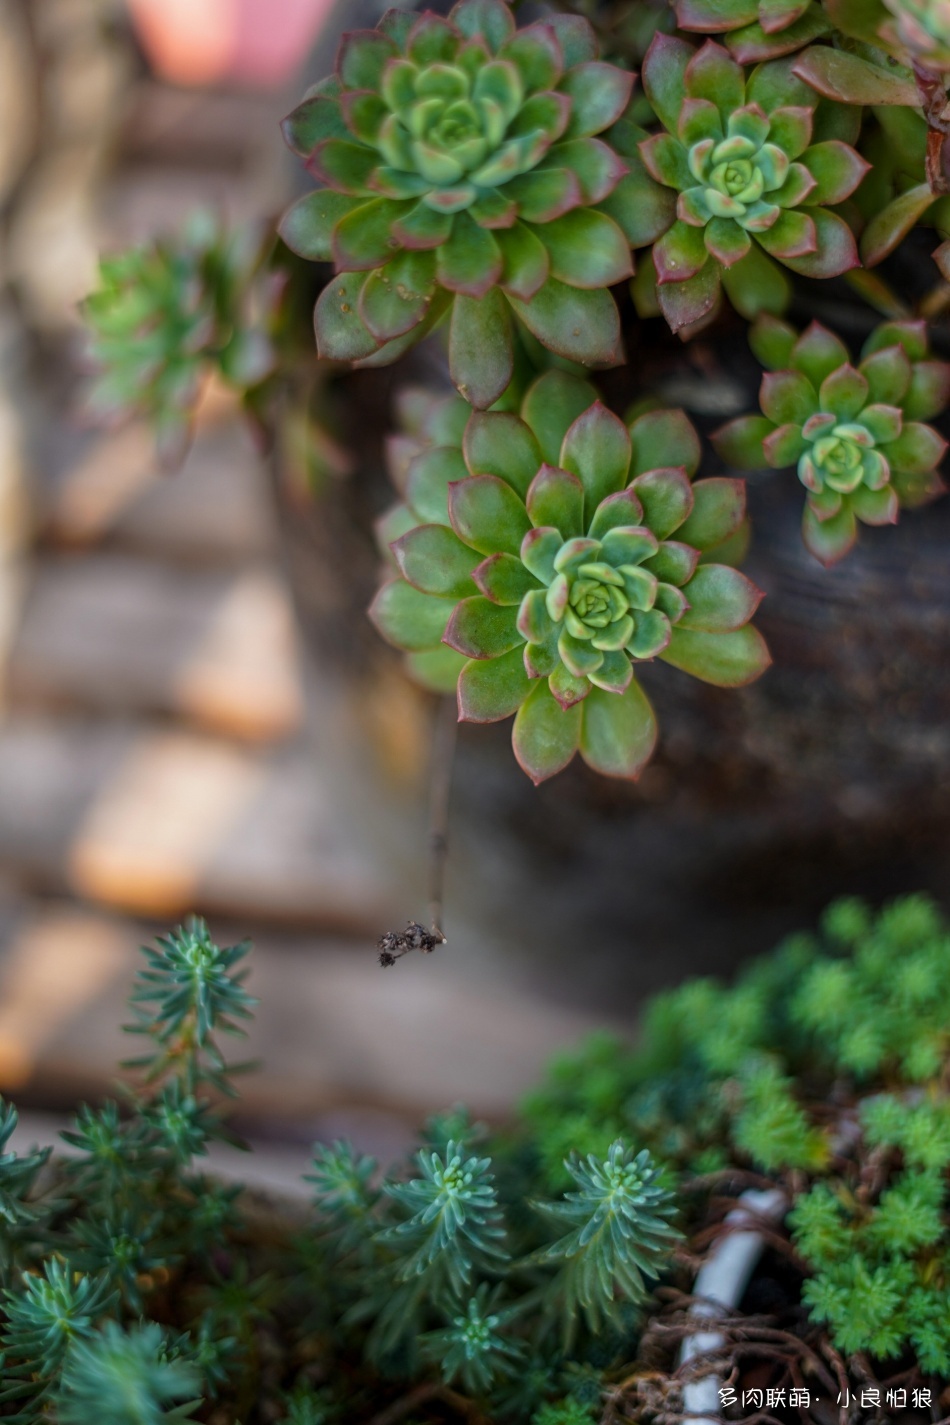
<point>394,944</point>
<point>440,786</point>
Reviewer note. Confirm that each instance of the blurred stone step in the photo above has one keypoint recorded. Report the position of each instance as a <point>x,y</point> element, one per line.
<point>112,633</point>
<point>108,488</point>
<point>337,1036</point>
<point>161,822</point>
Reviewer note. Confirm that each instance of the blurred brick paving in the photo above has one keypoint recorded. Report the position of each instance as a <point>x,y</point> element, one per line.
<point>165,745</point>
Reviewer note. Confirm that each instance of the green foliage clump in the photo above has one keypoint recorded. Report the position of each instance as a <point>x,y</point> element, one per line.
<point>824,1065</point>
<point>138,1290</point>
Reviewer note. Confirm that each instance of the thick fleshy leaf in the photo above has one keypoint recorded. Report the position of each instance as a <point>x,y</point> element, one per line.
<point>784,445</point>
<point>487,19</point>
<point>545,194</point>
<point>679,254</point>
<point>488,515</point>
<point>551,405</point>
<point>665,161</point>
<point>729,660</point>
<point>344,164</point>
<point>427,484</point>
<point>539,549</point>
<point>817,353</point>
<point>394,350</point>
<point>431,40</point>
<point>422,227</point>
<point>587,249</point>
<point>883,423</point>
<point>493,688</point>
<point>596,449</point>
<point>772,342</point>
<point>470,262</point>
<point>618,731</point>
<point>917,449</point>
<point>726,241</point>
<point>481,359</point>
<point>712,16</point>
<point>790,128</point>
<point>891,224</point>
<point>876,507</point>
<point>839,75</point>
<point>500,443</point>
<point>671,601</point>
<point>576,37</point>
<point>397,297</point>
<point>436,561</point>
<point>525,261</point>
<point>792,235</point>
<point>545,735</point>
<point>408,618</point>
<point>599,93</point>
<point>713,74</point>
<point>313,122</point>
<point>536,54</point>
<point>739,442</point>
<point>617,511</point>
<point>556,500</point>
<point>341,335</point>
<point>835,252</point>
<point>673,563</point>
<point>641,208</point>
<point>582,325</point>
<point>720,599</point>
<point>364,239</point>
<point>362,57</point>
<point>663,77</point>
<point>837,168</point>
<point>437,669</point>
<point>829,540</point>
<point>307,226</point>
<point>579,655</point>
<point>929,390</point>
<point>718,510</point>
<point>504,579</point>
<point>888,374</point>
<point>753,44</point>
<point>481,629</point>
<point>686,304</point>
<point>595,165</point>
<point>629,545</point>
<point>365,113</point>
<point>667,499</point>
<point>844,392</point>
<point>568,689</point>
<point>788,396</point>
<point>911,335</point>
<point>651,635</point>
<point>664,438</point>
<point>757,285</point>
<point>535,623</point>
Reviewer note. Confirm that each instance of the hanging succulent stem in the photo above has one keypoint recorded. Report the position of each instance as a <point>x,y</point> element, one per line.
<point>440,788</point>
<point>394,944</point>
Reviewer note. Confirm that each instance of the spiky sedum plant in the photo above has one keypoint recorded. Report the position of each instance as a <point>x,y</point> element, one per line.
<point>467,166</point>
<point>562,549</point>
<point>823,1066</point>
<point>137,1290</point>
<point>857,435</point>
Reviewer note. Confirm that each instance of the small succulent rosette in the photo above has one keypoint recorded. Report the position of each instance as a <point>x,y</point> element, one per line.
<point>466,168</point>
<point>755,30</point>
<point>755,163</point>
<point>165,316</point>
<point>921,30</point>
<point>561,549</point>
<point>856,434</point>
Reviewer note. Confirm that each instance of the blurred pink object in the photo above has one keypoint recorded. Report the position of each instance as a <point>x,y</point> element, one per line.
<point>260,43</point>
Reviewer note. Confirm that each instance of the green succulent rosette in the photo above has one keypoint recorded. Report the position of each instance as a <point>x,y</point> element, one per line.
<point>462,172</point>
<point>857,435</point>
<point>561,549</point>
<point>921,29</point>
<point>755,30</point>
<point>166,316</point>
<point>755,162</point>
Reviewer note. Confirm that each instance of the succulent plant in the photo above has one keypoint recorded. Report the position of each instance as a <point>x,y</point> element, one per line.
<point>857,434</point>
<point>921,28</point>
<point>561,549</point>
<point>166,315</point>
<point>755,164</point>
<point>755,29</point>
<point>462,170</point>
